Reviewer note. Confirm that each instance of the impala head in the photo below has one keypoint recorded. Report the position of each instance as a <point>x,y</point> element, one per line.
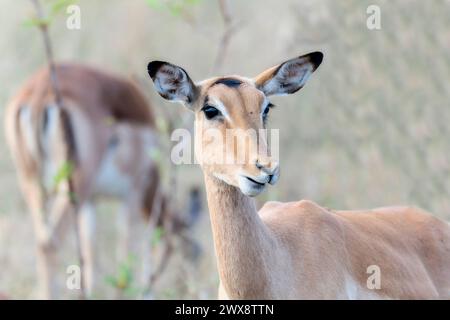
<point>229,115</point>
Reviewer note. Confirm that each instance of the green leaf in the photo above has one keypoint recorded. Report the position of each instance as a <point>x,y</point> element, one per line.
<point>124,278</point>
<point>64,173</point>
<point>155,4</point>
<point>155,154</point>
<point>56,6</point>
<point>111,281</point>
<point>162,125</point>
<point>36,22</point>
<point>175,7</point>
<point>60,5</point>
<point>132,292</point>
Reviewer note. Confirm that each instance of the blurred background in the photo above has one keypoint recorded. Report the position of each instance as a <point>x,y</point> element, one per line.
<point>370,128</point>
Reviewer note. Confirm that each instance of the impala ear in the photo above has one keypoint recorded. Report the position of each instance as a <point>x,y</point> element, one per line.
<point>290,76</point>
<point>172,82</point>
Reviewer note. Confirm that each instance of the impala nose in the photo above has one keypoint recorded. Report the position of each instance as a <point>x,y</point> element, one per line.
<point>258,164</point>
<point>269,167</point>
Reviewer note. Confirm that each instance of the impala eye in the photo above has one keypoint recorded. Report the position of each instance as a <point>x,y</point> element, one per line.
<point>266,111</point>
<point>210,112</point>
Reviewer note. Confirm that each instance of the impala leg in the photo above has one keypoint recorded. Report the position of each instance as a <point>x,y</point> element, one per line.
<point>133,227</point>
<point>146,253</point>
<point>45,252</point>
<point>123,226</point>
<point>134,237</point>
<point>58,217</point>
<point>46,261</point>
<point>86,223</point>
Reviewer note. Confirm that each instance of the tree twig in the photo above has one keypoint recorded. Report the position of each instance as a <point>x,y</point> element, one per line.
<point>43,26</point>
<point>48,51</point>
<point>230,27</point>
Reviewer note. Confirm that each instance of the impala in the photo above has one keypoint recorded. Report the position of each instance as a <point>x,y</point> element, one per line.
<point>296,250</point>
<point>97,142</point>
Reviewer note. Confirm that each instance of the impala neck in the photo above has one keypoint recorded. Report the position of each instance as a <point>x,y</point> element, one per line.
<point>245,248</point>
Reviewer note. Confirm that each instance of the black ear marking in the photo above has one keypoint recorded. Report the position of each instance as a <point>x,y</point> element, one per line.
<point>153,67</point>
<point>316,59</point>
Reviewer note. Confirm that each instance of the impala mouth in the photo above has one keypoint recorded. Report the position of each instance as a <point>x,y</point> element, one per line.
<point>255,182</point>
<point>252,186</point>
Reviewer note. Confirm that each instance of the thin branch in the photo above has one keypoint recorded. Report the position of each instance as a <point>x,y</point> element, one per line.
<point>230,27</point>
<point>48,51</point>
<point>43,26</point>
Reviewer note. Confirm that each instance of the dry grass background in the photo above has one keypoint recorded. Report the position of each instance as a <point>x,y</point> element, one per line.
<point>370,129</point>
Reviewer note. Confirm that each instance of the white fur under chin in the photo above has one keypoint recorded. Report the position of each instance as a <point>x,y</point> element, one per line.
<point>248,188</point>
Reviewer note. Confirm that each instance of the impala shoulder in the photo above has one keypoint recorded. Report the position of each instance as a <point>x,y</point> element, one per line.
<point>297,210</point>
<point>311,213</point>
<point>307,208</point>
<point>307,205</point>
<point>302,204</point>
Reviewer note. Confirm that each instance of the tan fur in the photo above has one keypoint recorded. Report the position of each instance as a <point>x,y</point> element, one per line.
<point>103,118</point>
<point>300,250</point>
